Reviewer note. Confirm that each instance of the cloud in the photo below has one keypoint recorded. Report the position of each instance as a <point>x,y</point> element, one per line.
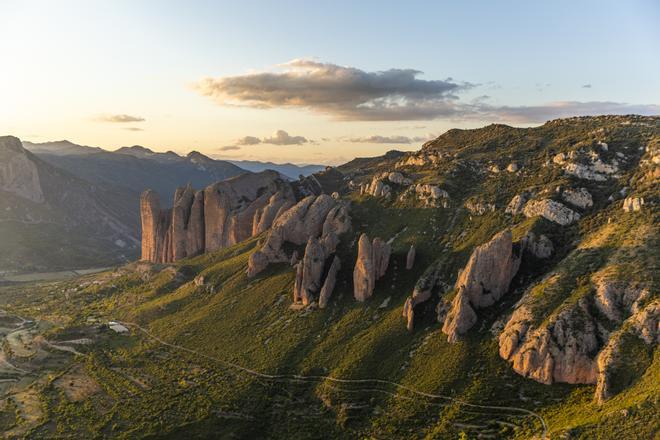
<point>586,86</point>
<point>248,140</point>
<point>346,93</point>
<point>281,137</point>
<point>229,148</point>
<point>118,118</point>
<point>377,139</point>
<point>561,109</point>
<point>133,128</point>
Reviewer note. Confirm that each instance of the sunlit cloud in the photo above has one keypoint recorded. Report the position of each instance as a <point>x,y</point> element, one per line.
<point>229,148</point>
<point>119,118</point>
<point>346,93</point>
<point>248,140</point>
<point>281,137</point>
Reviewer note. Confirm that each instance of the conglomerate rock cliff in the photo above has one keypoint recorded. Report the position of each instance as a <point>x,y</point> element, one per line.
<point>221,215</point>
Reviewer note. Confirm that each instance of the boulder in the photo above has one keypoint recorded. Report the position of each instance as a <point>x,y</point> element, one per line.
<point>517,203</point>
<point>512,167</point>
<point>479,208</point>
<point>550,210</point>
<point>312,270</point>
<point>633,204</point>
<point>482,282</point>
<point>578,197</point>
<point>421,293</point>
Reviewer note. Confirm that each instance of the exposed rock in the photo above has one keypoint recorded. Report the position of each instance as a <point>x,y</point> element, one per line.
<point>430,195</point>
<point>372,261</point>
<point>377,188</point>
<point>482,282</point>
<point>294,258</point>
<point>517,203</point>
<point>479,208</point>
<point>557,352</point>
<point>512,167</point>
<point>578,197</point>
<point>311,267</point>
<point>396,177</point>
<point>329,283</point>
<point>540,247</point>
<point>550,210</point>
<point>643,324</point>
<point>223,214</point>
<point>586,164</point>
<point>315,216</point>
<point>18,174</point>
<point>421,293</point>
<point>633,204</point>
<point>410,258</point>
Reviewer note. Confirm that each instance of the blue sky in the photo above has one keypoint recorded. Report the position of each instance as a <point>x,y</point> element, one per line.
<point>72,66</point>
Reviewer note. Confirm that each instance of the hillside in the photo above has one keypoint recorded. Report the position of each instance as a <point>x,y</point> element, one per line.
<point>514,294</point>
<point>50,219</point>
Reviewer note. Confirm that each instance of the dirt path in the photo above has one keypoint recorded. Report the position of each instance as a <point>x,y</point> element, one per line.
<point>314,378</point>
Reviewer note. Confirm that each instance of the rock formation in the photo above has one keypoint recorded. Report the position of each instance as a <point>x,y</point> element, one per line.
<point>372,261</point>
<point>586,164</point>
<point>479,208</point>
<point>18,174</point>
<point>551,210</point>
<point>410,258</point>
<point>482,282</point>
<point>572,344</point>
<point>221,215</point>
<point>421,293</point>
<point>329,283</point>
<point>633,204</point>
<point>309,272</point>
<point>431,196</point>
<point>320,217</point>
<point>517,203</point>
<point>540,247</point>
<point>578,197</point>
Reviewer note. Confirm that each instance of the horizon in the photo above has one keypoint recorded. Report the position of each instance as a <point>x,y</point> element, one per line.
<point>246,82</point>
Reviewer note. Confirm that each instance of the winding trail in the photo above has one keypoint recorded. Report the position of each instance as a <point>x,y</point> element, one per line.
<point>320,378</point>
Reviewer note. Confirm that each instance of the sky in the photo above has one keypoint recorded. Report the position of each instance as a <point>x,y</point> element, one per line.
<point>315,82</point>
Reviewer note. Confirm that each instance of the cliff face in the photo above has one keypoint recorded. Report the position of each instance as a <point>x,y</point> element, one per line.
<point>221,215</point>
<point>18,174</point>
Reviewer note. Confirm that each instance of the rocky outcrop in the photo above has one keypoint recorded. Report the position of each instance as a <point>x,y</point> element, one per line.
<point>478,207</point>
<point>578,197</point>
<point>633,204</point>
<point>221,215</point>
<point>421,293</point>
<point>586,164</point>
<point>539,246</point>
<point>329,283</point>
<point>482,282</point>
<point>430,196</point>
<point>517,203</point>
<point>551,210</point>
<point>372,261</point>
<point>376,188</point>
<point>410,257</point>
<point>398,178</point>
<point>18,174</point>
<point>573,343</point>
<point>309,272</point>
<point>321,217</point>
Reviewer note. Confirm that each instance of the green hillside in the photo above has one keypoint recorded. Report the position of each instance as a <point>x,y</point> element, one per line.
<point>213,354</point>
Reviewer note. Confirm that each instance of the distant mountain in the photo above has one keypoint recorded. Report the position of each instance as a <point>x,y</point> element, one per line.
<point>288,169</point>
<point>51,219</point>
<point>136,168</point>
